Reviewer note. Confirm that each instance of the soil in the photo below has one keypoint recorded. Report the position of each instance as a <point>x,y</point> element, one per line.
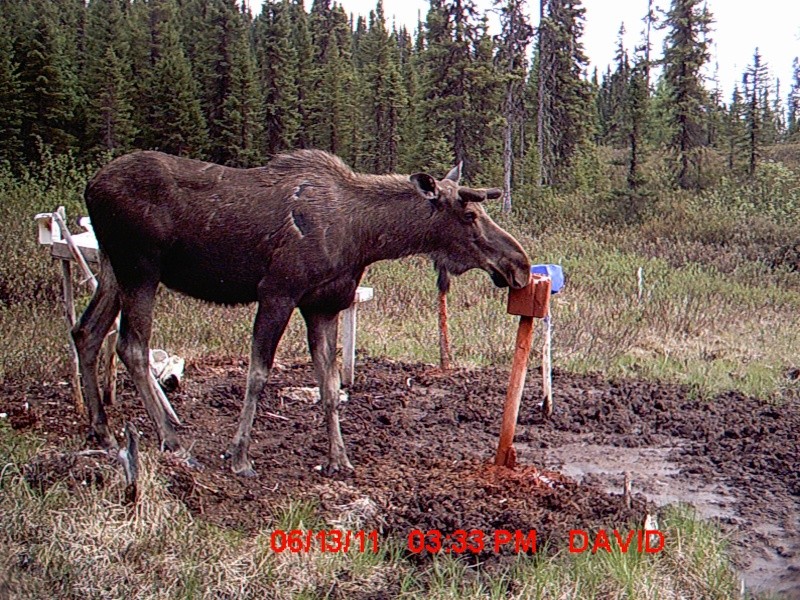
<point>423,443</point>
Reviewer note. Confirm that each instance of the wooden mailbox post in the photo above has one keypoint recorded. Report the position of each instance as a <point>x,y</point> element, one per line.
<point>530,302</point>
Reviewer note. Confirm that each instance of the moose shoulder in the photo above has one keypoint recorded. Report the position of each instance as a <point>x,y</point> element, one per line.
<point>296,233</point>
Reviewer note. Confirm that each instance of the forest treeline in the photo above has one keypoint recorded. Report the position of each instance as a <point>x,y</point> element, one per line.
<point>208,79</point>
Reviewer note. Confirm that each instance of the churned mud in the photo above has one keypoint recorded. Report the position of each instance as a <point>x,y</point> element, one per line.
<point>423,442</point>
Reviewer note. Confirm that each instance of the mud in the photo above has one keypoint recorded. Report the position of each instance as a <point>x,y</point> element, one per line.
<point>423,443</point>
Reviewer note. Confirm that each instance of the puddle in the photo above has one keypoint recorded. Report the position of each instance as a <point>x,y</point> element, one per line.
<point>772,551</point>
<point>651,472</point>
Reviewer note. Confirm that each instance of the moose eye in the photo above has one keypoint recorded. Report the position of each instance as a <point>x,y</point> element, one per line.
<point>470,217</point>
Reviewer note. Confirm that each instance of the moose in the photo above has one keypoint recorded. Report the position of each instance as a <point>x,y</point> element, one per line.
<point>295,233</point>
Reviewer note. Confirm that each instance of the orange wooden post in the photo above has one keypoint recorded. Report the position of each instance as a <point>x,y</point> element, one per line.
<point>444,337</point>
<point>531,301</point>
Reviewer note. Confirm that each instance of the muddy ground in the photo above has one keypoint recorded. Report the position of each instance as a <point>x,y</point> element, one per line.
<point>423,442</point>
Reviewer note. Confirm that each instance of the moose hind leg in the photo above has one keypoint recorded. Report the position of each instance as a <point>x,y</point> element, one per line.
<point>88,335</point>
<point>133,347</point>
<point>322,329</point>
<point>271,319</point>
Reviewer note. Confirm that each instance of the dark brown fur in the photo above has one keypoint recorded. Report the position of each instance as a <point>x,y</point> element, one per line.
<point>298,232</point>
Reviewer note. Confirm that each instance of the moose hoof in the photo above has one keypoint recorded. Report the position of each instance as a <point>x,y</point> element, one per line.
<point>241,465</point>
<point>334,466</point>
<point>248,472</point>
<point>105,440</point>
<point>195,464</point>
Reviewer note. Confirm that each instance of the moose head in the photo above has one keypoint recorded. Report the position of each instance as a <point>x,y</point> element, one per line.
<point>468,237</point>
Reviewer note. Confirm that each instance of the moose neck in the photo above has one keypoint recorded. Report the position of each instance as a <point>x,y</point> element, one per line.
<point>392,220</point>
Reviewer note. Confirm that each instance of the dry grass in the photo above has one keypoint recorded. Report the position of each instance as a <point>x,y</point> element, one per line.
<point>84,541</point>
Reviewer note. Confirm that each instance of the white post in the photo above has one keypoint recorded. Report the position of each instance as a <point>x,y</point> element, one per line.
<point>363,294</point>
<point>349,344</point>
<point>547,376</point>
<point>58,216</point>
<point>640,284</point>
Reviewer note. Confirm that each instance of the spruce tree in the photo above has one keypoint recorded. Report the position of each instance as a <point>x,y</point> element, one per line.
<point>793,103</point>
<point>108,78</point>
<point>484,114</point>
<point>516,34</point>
<point>384,98</point>
<point>565,100</point>
<point>442,108</point>
<point>778,120</point>
<point>409,129</point>
<point>49,93</point>
<point>232,103</point>
<point>636,104</point>
<point>175,122</point>
<point>331,100</point>
<point>756,116</point>
<point>11,109</point>
<point>301,40</point>
<point>278,76</point>
<point>611,97</point>
<point>685,54</point>
<point>111,121</point>
<point>735,132</point>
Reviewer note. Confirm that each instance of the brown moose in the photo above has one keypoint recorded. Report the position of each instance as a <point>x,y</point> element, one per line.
<point>296,233</point>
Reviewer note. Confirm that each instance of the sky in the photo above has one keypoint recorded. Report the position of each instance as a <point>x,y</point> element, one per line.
<point>771,25</point>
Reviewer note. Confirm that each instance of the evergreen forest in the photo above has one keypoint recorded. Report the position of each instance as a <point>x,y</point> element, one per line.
<point>209,79</point>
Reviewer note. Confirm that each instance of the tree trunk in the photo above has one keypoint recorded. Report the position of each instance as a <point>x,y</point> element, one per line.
<point>508,150</point>
<point>540,99</point>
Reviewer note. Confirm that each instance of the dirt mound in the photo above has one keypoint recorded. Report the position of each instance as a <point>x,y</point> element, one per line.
<point>423,444</point>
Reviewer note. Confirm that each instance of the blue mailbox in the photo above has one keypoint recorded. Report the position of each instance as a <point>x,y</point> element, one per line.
<point>554,272</point>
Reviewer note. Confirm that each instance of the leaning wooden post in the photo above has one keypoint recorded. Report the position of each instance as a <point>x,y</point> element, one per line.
<point>110,366</point>
<point>547,367</point>
<point>73,247</point>
<point>443,283</point>
<point>556,275</point>
<point>531,301</point>
<point>69,313</point>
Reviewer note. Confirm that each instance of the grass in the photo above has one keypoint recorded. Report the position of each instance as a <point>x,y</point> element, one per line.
<point>719,310</point>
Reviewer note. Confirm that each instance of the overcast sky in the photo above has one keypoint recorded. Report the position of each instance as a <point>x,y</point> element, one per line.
<point>771,25</point>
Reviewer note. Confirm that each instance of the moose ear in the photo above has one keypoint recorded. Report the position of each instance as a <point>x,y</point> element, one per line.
<point>455,173</point>
<point>469,195</point>
<point>425,184</point>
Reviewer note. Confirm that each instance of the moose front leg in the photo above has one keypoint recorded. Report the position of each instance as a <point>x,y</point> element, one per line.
<point>271,319</point>
<point>322,330</point>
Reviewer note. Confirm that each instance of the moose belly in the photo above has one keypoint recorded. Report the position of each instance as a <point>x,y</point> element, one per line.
<point>222,282</point>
